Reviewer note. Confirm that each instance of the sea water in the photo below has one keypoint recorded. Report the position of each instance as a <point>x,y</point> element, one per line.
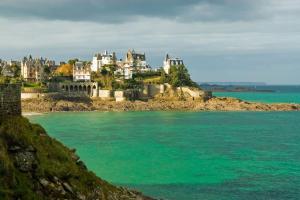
<point>188,155</point>
<point>279,94</point>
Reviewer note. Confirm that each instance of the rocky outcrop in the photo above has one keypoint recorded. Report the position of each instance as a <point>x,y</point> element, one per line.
<point>35,166</point>
<point>159,104</point>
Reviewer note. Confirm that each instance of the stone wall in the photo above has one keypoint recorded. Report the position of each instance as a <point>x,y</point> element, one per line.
<point>120,96</point>
<point>39,95</point>
<point>152,90</point>
<point>10,99</point>
<point>105,94</point>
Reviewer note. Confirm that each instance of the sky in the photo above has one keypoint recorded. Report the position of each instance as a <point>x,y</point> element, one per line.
<point>219,40</point>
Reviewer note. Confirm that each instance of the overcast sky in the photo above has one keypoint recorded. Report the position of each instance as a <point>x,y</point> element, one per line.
<point>219,40</point>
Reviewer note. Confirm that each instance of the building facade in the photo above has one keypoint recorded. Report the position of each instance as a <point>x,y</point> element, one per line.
<point>81,72</point>
<point>137,60</point>
<point>168,62</point>
<point>102,59</point>
<point>34,69</point>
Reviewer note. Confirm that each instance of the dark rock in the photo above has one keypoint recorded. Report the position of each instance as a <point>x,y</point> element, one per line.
<point>25,161</point>
<point>81,164</point>
<point>73,150</point>
<point>14,148</point>
<point>30,149</point>
<point>75,157</point>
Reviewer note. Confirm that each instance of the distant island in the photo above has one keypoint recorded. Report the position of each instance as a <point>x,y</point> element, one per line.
<point>234,88</point>
<point>234,83</point>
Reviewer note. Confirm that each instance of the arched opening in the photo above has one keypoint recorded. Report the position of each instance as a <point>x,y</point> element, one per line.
<point>95,93</point>
<point>76,88</point>
<point>89,90</point>
<point>80,88</point>
<point>67,88</point>
<point>84,88</point>
<point>71,88</point>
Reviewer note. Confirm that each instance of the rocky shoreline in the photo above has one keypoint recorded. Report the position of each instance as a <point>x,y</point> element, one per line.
<point>214,104</point>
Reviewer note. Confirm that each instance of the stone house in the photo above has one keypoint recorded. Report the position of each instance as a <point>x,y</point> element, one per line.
<point>33,69</point>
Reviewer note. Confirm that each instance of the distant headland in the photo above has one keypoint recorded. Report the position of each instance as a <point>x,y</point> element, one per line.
<point>106,83</point>
<point>104,77</point>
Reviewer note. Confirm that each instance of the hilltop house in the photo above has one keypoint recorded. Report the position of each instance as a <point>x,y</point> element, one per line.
<point>168,62</point>
<point>137,61</point>
<point>102,59</point>
<point>7,71</point>
<point>13,62</point>
<point>34,69</point>
<point>81,72</point>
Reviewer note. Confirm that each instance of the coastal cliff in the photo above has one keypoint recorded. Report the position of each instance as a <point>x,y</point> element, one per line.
<point>35,166</point>
<point>213,104</point>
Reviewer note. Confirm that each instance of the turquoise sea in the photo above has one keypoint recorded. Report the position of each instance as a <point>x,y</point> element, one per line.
<point>266,97</point>
<point>188,155</point>
<point>279,94</point>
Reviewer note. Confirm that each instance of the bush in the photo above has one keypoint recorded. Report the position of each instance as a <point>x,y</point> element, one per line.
<point>178,77</point>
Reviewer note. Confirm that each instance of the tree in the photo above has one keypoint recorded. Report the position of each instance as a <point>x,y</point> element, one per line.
<point>179,76</point>
<point>73,61</point>
<point>64,70</point>
<point>47,70</point>
<point>16,70</point>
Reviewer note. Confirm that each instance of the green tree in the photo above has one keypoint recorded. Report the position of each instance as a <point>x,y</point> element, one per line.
<point>16,70</point>
<point>73,61</point>
<point>179,76</point>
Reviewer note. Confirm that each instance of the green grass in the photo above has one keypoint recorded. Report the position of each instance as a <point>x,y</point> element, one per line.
<point>32,85</point>
<point>155,79</point>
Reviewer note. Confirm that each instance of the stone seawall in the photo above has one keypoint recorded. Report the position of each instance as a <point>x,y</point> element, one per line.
<point>10,99</point>
<point>214,104</point>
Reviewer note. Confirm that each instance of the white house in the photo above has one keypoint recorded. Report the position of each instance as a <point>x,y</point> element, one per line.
<point>102,59</point>
<point>168,62</point>
<point>81,72</point>
<point>128,71</point>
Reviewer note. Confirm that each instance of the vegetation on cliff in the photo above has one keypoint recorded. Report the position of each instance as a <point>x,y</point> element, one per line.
<point>35,166</point>
<point>64,70</point>
<point>178,77</point>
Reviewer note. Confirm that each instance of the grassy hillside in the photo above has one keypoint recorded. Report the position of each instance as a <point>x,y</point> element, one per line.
<point>35,166</point>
